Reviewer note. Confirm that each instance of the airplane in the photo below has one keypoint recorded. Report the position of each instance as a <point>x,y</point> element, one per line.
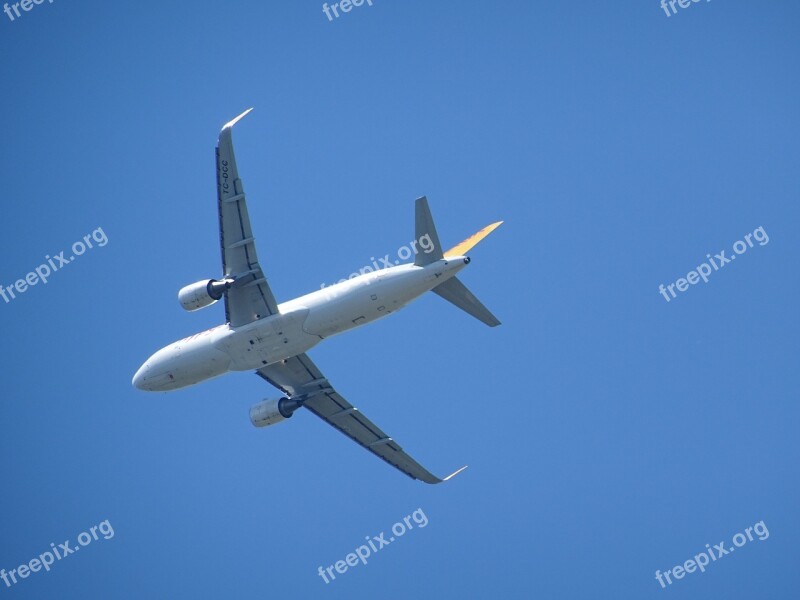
<point>272,339</point>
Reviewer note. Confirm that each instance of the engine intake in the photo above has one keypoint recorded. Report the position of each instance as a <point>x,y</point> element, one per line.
<point>202,293</point>
<point>270,412</point>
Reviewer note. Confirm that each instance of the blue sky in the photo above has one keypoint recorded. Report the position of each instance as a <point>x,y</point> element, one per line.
<point>609,433</point>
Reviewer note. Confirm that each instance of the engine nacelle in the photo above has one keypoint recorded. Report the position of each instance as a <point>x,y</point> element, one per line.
<point>202,293</point>
<point>270,412</point>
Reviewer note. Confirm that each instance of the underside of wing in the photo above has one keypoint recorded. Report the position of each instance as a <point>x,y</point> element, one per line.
<point>300,378</point>
<point>250,297</point>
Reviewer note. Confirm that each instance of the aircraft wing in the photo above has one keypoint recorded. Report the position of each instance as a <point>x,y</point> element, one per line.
<point>250,297</point>
<point>299,376</point>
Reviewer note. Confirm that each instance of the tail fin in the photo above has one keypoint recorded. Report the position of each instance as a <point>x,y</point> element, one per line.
<point>456,292</point>
<point>426,228</point>
<point>472,241</point>
<point>451,290</point>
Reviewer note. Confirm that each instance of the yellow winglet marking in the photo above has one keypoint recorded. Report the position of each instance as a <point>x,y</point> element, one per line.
<point>472,241</point>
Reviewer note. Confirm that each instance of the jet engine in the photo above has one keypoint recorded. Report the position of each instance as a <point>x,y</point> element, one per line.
<point>270,412</point>
<point>202,293</point>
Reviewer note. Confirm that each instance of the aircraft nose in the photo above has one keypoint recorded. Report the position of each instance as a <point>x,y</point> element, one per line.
<point>139,377</point>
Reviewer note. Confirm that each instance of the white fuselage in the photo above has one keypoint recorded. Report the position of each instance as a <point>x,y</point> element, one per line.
<point>300,325</point>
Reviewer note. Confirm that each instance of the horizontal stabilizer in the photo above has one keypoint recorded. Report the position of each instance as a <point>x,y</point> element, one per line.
<point>426,229</point>
<point>456,292</point>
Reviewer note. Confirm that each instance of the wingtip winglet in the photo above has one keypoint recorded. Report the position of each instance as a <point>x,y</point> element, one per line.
<point>449,477</point>
<point>235,120</point>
